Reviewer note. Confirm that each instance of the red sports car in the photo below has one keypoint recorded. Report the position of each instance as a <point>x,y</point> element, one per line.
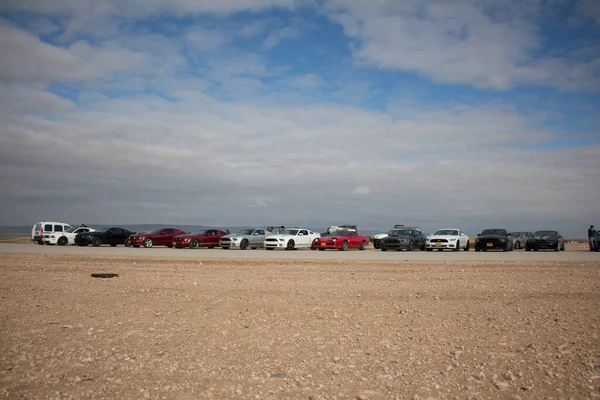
<point>341,240</point>
<point>156,237</point>
<point>203,238</point>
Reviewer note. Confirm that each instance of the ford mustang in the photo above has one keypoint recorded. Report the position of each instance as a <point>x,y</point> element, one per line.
<point>112,236</point>
<point>156,237</point>
<point>202,238</point>
<point>342,240</point>
<point>291,239</point>
<point>551,240</point>
<point>453,239</point>
<point>253,238</point>
<point>403,238</point>
<point>494,239</point>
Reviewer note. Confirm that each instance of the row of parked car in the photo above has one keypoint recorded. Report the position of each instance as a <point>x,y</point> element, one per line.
<point>340,237</point>
<point>455,239</point>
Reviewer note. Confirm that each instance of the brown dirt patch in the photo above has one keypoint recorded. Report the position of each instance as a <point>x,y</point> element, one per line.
<point>185,329</point>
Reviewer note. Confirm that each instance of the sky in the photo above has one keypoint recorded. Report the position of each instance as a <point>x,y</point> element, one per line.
<point>470,114</point>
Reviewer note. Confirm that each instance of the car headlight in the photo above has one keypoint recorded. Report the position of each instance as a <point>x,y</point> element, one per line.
<point>334,240</point>
<point>235,239</point>
<point>502,240</point>
<point>282,240</point>
<point>452,240</point>
<point>186,239</point>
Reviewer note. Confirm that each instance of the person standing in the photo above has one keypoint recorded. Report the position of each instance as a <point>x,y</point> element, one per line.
<point>591,233</point>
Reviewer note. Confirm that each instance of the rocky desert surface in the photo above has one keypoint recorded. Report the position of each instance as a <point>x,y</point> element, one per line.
<point>292,329</point>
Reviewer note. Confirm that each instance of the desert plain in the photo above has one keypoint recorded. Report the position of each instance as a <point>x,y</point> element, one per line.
<point>210,328</point>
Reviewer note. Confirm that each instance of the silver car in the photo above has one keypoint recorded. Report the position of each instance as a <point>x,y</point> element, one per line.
<point>520,238</point>
<point>252,238</point>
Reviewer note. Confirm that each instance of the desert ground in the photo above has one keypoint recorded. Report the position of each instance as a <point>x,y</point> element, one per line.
<point>209,328</point>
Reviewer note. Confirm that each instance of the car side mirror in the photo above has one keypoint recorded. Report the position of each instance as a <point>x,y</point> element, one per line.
<point>479,234</point>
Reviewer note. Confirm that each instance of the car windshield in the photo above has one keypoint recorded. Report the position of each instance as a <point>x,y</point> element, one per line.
<point>71,230</point>
<point>200,232</point>
<point>446,232</point>
<point>546,233</point>
<point>339,233</point>
<point>500,232</point>
<point>104,229</point>
<point>292,232</point>
<point>401,232</point>
<point>245,232</point>
<point>154,231</point>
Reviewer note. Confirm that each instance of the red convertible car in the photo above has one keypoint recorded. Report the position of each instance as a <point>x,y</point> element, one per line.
<point>156,237</point>
<point>341,240</point>
<point>203,238</point>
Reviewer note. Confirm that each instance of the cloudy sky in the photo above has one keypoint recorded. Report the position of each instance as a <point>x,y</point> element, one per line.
<point>445,113</point>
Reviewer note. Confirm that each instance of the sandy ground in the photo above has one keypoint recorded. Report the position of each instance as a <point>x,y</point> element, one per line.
<point>272,329</point>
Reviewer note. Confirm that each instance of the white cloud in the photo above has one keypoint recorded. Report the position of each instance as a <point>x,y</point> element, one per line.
<point>476,43</point>
<point>276,36</point>
<point>362,190</point>
<point>28,58</point>
<point>235,159</point>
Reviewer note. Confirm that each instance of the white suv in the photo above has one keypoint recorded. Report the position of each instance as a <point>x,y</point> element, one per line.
<point>45,232</point>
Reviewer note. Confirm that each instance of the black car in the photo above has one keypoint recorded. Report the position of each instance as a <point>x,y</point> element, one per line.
<point>112,236</point>
<point>494,239</point>
<point>595,242</point>
<point>549,240</point>
<point>399,239</point>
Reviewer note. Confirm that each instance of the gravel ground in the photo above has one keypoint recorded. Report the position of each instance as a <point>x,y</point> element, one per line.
<point>271,329</point>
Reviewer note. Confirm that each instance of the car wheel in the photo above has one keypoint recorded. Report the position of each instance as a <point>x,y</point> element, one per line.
<point>411,246</point>
<point>507,247</point>
<point>563,247</point>
<point>376,245</point>
<point>557,248</point>
<point>244,244</point>
<point>363,245</point>
<point>62,241</point>
<point>344,246</point>
<point>148,243</point>
<point>382,247</point>
<point>290,245</point>
<point>468,246</point>
<point>96,242</point>
<point>194,244</point>
<point>321,249</point>
<point>423,247</point>
<point>457,248</point>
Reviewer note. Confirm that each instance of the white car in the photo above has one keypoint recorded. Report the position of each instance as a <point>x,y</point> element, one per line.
<point>454,239</point>
<point>66,237</point>
<point>291,239</point>
<point>48,232</point>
